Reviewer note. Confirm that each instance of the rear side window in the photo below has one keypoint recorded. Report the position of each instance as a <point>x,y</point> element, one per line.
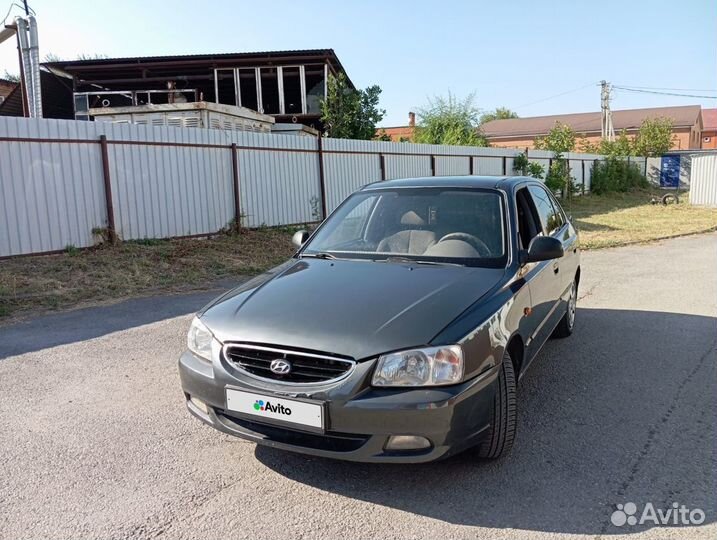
<point>550,218</point>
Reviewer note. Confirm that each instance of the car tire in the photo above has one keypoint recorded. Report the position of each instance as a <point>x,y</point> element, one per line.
<point>567,323</point>
<point>501,433</point>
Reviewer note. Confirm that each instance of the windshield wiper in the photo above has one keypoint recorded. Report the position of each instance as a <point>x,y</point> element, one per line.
<point>399,259</point>
<point>318,255</point>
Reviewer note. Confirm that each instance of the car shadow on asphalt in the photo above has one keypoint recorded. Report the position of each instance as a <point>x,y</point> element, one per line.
<point>53,329</point>
<point>623,411</point>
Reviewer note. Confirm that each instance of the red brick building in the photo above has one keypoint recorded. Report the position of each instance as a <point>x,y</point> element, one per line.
<point>400,133</point>
<point>709,131</point>
<point>521,132</point>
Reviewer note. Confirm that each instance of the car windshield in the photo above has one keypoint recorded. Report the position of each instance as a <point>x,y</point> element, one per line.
<point>441,225</point>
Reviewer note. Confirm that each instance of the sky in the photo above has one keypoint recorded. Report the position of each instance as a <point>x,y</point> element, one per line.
<point>533,57</point>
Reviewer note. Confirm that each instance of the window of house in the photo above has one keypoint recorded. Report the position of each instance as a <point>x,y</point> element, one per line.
<point>226,90</point>
<point>247,89</point>
<point>291,78</point>
<point>315,82</point>
<point>269,91</point>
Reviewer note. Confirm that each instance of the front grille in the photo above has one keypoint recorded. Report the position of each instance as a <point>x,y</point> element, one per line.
<point>306,368</point>
<point>334,442</point>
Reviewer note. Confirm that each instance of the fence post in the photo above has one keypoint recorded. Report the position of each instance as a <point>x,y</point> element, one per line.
<point>433,165</point>
<point>583,164</point>
<point>382,164</point>
<point>470,165</point>
<point>235,182</point>
<point>112,236</point>
<point>505,166</point>
<point>322,180</point>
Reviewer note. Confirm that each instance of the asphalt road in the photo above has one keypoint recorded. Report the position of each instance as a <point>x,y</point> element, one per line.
<point>95,441</point>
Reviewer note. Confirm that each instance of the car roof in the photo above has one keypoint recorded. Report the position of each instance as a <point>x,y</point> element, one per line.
<point>504,183</point>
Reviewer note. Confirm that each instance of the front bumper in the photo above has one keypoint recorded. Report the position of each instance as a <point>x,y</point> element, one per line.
<point>359,418</point>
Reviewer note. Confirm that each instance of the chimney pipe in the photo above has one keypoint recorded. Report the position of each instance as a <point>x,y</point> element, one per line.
<point>411,119</point>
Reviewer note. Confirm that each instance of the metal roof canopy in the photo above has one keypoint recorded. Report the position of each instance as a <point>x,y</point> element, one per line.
<point>185,67</point>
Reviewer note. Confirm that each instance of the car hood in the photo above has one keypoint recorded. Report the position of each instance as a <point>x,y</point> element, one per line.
<point>354,308</point>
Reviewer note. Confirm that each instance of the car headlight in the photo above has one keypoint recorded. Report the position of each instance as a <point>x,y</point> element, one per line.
<point>431,366</point>
<point>199,339</point>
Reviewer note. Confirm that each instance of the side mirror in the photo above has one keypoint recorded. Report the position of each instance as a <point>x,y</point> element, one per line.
<point>299,238</point>
<point>543,248</point>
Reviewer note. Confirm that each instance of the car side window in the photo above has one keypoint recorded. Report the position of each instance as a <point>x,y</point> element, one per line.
<point>550,219</point>
<point>559,213</point>
<point>528,223</point>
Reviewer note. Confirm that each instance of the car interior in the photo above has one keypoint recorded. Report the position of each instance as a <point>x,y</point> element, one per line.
<point>457,224</point>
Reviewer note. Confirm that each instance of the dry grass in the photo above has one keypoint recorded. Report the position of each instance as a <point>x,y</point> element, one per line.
<point>133,268</point>
<point>620,219</point>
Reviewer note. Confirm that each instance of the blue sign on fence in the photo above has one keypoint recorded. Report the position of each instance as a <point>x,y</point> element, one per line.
<point>670,171</point>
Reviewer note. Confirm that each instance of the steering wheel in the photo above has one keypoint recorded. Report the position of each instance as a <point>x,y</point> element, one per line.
<point>474,241</point>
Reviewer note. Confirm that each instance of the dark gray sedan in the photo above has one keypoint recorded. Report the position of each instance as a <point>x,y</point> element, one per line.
<point>399,329</point>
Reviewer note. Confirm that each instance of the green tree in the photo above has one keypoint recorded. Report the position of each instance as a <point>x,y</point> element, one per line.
<point>622,146</point>
<point>500,113</point>
<point>654,137</point>
<point>350,113</point>
<point>12,77</point>
<point>52,57</point>
<point>449,120</point>
<point>560,139</point>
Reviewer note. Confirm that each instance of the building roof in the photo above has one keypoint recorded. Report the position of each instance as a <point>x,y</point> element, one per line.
<point>91,67</point>
<point>629,119</point>
<point>709,118</point>
<point>12,104</point>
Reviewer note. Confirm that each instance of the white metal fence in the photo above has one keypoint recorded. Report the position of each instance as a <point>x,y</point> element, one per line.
<point>60,179</point>
<point>703,180</point>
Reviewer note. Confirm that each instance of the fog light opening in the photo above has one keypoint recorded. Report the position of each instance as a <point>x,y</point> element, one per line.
<point>199,404</point>
<point>403,443</point>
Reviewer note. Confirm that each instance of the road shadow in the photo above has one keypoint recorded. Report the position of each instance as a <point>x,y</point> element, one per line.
<point>623,411</point>
<point>61,328</point>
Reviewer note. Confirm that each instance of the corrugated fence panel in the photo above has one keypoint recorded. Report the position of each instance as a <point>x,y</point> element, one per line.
<point>703,180</point>
<point>407,166</point>
<point>52,194</point>
<point>488,166</point>
<point>452,166</point>
<point>347,172</point>
<point>654,167</point>
<point>576,171</point>
<point>279,188</point>
<point>164,191</point>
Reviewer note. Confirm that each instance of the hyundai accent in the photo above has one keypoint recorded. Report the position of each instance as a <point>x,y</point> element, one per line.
<point>400,328</point>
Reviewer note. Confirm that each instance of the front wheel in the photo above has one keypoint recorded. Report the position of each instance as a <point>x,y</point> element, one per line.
<point>566,324</point>
<point>501,432</point>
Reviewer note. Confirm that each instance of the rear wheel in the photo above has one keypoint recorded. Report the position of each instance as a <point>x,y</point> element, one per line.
<point>501,433</point>
<point>566,324</point>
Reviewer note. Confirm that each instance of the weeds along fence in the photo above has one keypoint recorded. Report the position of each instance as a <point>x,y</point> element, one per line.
<point>65,183</point>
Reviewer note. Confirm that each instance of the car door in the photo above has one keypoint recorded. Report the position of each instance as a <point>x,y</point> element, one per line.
<point>568,264</point>
<point>547,283</point>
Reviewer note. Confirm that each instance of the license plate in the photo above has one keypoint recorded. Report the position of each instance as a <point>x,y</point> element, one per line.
<point>290,411</point>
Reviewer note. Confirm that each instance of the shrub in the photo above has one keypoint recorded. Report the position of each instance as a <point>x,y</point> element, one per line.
<point>524,167</point>
<point>615,174</point>
<point>558,176</point>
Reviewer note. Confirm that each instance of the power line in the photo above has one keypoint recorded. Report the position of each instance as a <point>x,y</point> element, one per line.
<point>555,96</point>
<point>671,89</point>
<point>627,89</point>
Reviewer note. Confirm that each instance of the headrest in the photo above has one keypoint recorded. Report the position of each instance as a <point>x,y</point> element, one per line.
<point>411,218</point>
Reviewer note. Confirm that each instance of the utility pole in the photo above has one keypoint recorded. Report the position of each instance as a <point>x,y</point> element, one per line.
<point>606,128</point>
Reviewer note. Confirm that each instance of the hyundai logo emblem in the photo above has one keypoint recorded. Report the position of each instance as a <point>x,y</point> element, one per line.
<point>280,367</point>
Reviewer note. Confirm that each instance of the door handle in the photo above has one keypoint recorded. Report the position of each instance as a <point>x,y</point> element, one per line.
<point>556,268</point>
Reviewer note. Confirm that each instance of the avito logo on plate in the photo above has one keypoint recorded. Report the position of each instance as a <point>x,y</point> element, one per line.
<point>259,405</point>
